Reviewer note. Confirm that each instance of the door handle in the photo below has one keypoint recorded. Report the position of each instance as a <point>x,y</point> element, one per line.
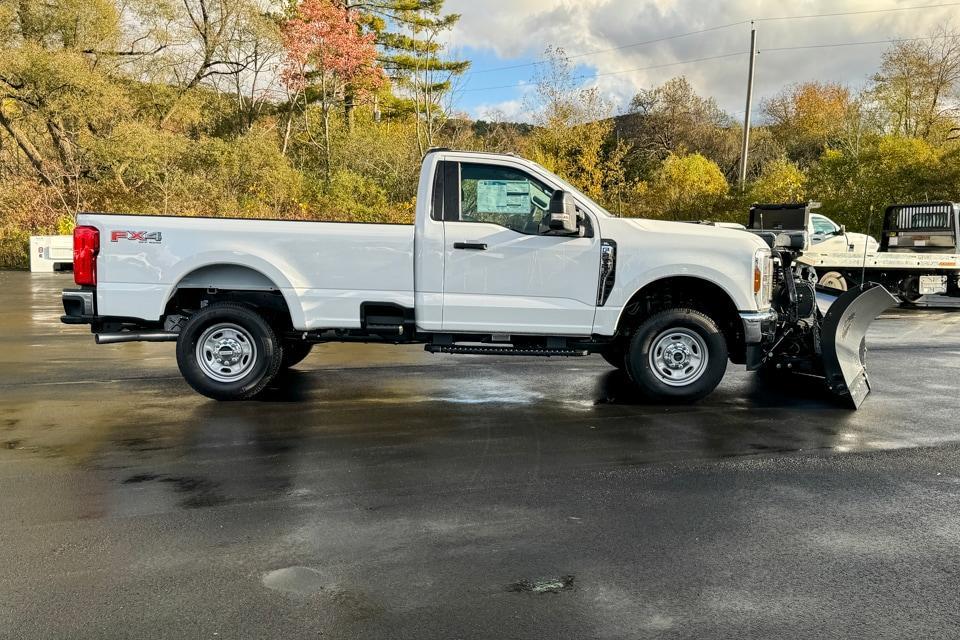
<point>476,246</point>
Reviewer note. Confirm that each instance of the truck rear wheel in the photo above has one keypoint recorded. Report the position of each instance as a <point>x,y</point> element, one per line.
<point>228,351</point>
<point>679,355</point>
<point>909,291</point>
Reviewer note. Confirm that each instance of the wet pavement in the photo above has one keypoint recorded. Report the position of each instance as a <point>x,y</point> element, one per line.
<point>385,492</point>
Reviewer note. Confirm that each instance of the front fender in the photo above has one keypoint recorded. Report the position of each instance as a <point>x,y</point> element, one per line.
<point>608,317</point>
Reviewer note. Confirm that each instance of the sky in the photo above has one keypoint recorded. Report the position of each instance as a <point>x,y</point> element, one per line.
<point>494,34</point>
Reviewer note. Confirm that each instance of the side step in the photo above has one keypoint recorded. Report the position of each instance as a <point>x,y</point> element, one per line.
<point>505,351</point>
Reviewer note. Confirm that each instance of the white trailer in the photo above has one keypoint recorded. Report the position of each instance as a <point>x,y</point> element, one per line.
<point>51,253</point>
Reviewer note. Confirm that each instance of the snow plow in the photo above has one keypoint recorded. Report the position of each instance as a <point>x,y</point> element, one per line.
<point>820,331</point>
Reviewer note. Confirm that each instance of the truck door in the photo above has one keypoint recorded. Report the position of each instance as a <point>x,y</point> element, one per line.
<point>501,275</point>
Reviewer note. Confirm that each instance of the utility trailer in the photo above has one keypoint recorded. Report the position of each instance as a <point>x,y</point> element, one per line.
<point>51,253</point>
<point>917,255</point>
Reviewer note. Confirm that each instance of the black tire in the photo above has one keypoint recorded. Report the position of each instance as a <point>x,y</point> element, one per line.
<point>689,341</point>
<point>244,328</point>
<point>294,352</point>
<point>615,357</point>
<point>909,292</point>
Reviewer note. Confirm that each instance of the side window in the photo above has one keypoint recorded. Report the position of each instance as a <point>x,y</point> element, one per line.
<point>502,196</point>
<point>823,226</point>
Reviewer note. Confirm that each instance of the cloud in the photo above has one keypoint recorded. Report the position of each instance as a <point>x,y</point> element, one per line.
<point>514,29</point>
<point>505,111</point>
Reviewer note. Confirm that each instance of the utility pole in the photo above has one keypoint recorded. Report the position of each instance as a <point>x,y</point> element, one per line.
<point>745,153</point>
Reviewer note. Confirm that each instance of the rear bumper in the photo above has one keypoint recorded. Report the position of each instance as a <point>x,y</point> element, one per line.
<point>79,306</point>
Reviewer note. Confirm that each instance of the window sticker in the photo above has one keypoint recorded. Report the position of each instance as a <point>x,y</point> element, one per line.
<point>503,196</point>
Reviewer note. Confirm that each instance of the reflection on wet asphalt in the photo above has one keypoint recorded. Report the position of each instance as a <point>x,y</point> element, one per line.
<point>385,492</point>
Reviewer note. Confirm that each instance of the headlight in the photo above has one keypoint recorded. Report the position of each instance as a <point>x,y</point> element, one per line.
<point>763,278</point>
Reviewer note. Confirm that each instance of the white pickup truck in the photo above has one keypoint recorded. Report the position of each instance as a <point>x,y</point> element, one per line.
<point>504,258</point>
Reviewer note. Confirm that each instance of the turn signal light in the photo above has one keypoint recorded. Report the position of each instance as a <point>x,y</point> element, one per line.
<point>86,246</point>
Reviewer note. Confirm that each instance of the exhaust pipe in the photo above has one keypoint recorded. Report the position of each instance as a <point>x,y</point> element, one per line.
<point>130,336</point>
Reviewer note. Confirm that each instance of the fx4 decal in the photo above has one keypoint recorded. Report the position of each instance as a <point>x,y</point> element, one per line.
<point>152,237</point>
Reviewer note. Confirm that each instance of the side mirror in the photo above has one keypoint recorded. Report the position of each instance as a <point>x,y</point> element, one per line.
<point>842,231</point>
<point>562,217</point>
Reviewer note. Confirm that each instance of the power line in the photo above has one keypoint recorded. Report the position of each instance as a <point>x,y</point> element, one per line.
<point>614,73</point>
<point>620,48</point>
<point>668,64</point>
<point>855,44</point>
<point>858,13</point>
<point>718,57</point>
<point>718,28</point>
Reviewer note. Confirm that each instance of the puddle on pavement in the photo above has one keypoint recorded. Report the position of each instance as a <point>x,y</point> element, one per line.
<point>302,581</point>
<point>543,585</point>
<point>198,492</point>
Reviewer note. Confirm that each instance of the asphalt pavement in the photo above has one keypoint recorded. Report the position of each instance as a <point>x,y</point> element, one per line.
<point>383,492</point>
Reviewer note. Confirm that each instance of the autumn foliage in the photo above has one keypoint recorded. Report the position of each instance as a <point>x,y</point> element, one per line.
<point>324,39</point>
<point>315,111</point>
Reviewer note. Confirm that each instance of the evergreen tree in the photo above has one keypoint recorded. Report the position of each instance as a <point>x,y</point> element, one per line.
<point>407,33</point>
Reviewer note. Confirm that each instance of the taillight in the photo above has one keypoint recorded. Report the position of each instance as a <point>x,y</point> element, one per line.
<point>86,246</point>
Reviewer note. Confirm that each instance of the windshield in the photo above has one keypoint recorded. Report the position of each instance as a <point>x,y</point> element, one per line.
<point>576,192</point>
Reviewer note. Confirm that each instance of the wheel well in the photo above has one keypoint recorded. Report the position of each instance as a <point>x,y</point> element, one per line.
<point>686,292</point>
<point>230,283</point>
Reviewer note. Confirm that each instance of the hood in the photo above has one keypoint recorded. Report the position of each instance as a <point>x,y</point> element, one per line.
<point>680,230</point>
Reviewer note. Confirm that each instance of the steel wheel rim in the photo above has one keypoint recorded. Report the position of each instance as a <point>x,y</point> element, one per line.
<point>226,352</point>
<point>833,280</point>
<point>679,357</point>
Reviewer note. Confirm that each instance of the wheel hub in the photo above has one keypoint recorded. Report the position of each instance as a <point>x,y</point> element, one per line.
<point>226,352</point>
<point>676,355</point>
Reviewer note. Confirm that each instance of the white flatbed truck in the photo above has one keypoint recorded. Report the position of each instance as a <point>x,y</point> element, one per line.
<point>917,254</point>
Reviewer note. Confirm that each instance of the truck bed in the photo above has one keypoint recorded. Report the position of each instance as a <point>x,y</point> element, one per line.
<point>324,269</point>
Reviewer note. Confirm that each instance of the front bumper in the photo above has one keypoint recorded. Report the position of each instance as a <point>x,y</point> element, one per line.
<point>758,326</point>
<point>759,330</point>
<point>79,306</point>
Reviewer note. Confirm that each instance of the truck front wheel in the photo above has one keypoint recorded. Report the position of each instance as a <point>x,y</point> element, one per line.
<point>228,351</point>
<point>615,357</point>
<point>678,355</point>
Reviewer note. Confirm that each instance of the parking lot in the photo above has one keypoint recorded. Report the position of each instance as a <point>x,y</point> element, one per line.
<point>386,492</point>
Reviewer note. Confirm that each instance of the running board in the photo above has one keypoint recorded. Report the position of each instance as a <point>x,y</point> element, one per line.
<point>505,351</point>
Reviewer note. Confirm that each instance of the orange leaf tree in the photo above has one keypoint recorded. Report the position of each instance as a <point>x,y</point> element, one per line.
<point>326,50</point>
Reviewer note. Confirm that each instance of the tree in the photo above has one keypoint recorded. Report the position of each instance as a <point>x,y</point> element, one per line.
<point>887,170</point>
<point>573,131</point>
<point>688,187</point>
<point>255,51</point>
<point>326,53</point>
<point>916,88</point>
<point>780,181</point>
<point>53,96</point>
<point>673,119</point>
<point>808,117</point>
<point>408,34</point>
